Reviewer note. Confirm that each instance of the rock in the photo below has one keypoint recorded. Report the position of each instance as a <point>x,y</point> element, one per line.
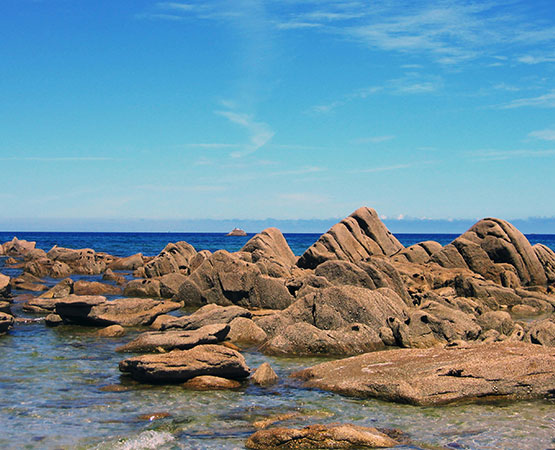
<point>153,416</point>
<point>5,286</point>
<point>418,253</point>
<point>40,305</point>
<point>225,280</point>
<point>45,267</point>
<point>170,284</point>
<point>175,258</point>
<point>17,247</point>
<point>109,275</point>
<point>62,289</point>
<point>178,366</point>
<point>83,287</point>
<point>207,315</point>
<point>129,263</point>
<point>28,282</point>
<point>211,383</point>
<point>546,256</point>
<point>83,261</point>
<point>178,339</point>
<point>494,248</point>
<point>244,331</point>
<point>321,437</point>
<point>161,320</point>
<point>354,239</point>
<point>142,288</point>
<point>53,320</point>
<point>435,376</point>
<point>237,232</point>
<point>111,331</point>
<point>270,248</point>
<point>304,339</point>
<point>97,311</point>
<point>542,333</point>
<point>265,423</point>
<point>264,375</point>
<point>497,320</point>
<point>6,322</point>
<point>5,307</point>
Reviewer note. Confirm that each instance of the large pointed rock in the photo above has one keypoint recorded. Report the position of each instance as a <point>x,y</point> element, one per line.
<point>175,258</point>
<point>434,376</point>
<point>181,365</point>
<point>271,252</point>
<point>354,239</point>
<point>496,250</point>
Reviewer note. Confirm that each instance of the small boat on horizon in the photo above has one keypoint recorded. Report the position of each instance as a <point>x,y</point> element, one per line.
<point>237,232</point>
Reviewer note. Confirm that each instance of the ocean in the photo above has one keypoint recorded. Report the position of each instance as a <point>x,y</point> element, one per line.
<point>55,383</point>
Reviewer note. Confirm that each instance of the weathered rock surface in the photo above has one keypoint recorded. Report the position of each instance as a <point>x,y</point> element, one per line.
<point>321,437</point>
<point>546,257</point>
<point>181,365</point>
<point>6,322</point>
<point>53,320</point>
<point>17,247</point>
<point>208,315</point>
<point>264,375</point>
<point>128,263</point>
<point>437,376</point>
<point>5,286</point>
<point>46,267</point>
<point>418,253</point>
<point>83,287</point>
<point>226,280</point>
<point>110,275</point>
<point>96,310</point>
<point>354,239</point>
<point>210,383</point>
<point>245,331</point>
<point>111,331</point>
<point>496,250</point>
<point>28,282</point>
<point>542,333</point>
<point>61,289</point>
<point>143,287</point>
<point>40,305</point>
<point>83,261</point>
<point>176,339</point>
<point>175,258</point>
<point>270,251</point>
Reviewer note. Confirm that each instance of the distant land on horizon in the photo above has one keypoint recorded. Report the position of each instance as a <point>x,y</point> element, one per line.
<point>532,225</point>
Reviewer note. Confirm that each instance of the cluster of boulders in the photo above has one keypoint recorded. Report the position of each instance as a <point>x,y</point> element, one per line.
<point>356,290</point>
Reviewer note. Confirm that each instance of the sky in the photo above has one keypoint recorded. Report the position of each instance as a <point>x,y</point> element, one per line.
<point>132,111</point>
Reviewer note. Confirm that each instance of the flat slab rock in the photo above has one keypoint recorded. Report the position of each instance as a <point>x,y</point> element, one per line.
<point>320,436</point>
<point>178,366</point>
<point>435,376</point>
<point>176,339</point>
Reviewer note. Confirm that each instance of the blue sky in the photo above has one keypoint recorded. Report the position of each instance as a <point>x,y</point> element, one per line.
<point>291,109</point>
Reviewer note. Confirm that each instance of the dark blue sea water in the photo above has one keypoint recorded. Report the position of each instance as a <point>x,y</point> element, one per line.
<point>124,244</point>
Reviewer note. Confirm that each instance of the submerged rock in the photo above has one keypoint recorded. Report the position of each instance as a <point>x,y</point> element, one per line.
<point>211,383</point>
<point>181,365</point>
<point>111,331</point>
<point>6,322</point>
<point>264,375</point>
<point>435,376</point>
<point>320,437</point>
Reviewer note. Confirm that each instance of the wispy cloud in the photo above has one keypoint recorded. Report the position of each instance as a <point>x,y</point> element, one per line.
<point>373,139</point>
<point>543,101</point>
<point>546,135</point>
<point>536,59</point>
<point>59,159</point>
<point>260,133</point>
<point>500,155</point>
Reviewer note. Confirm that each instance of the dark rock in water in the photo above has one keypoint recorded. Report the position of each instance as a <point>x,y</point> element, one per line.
<point>97,311</point>
<point>60,290</point>
<point>237,232</point>
<point>53,320</point>
<point>211,383</point>
<point>181,365</point>
<point>354,239</point>
<point>83,287</point>
<point>6,322</point>
<point>497,250</point>
<point>207,315</point>
<point>320,437</point>
<point>5,307</point>
<point>435,376</point>
<point>178,339</point>
<point>111,331</point>
<point>264,375</point>
<point>226,280</point>
<point>109,275</point>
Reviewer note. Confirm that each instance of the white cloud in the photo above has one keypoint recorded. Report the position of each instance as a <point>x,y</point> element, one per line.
<point>260,133</point>
<point>542,101</point>
<point>545,135</point>
<point>536,59</point>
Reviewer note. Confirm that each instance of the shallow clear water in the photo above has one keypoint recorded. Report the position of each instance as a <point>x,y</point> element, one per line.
<point>51,392</point>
